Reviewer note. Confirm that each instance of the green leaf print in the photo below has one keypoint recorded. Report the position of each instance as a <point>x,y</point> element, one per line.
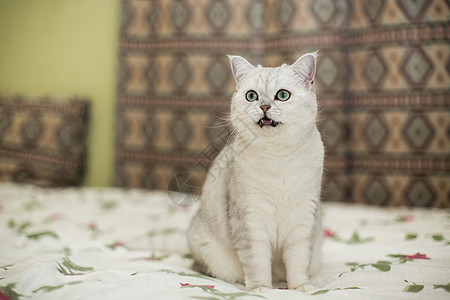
<point>319,292</point>
<point>67,251</point>
<point>413,288</point>
<point>11,224</point>
<point>187,256</point>
<point>20,227</point>
<point>5,267</point>
<point>440,238</point>
<point>382,267</point>
<point>354,239</point>
<point>49,288</point>
<point>411,236</point>
<point>205,298</point>
<point>446,287</point>
<point>159,257</point>
<point>197,275</point>
<point>69,264</point>
<point>232,296</point>
<point>109,205</point>
<point>32,205</point>
<point>385,265</point>
<point>38,235</point>
<point>437,237</point>
<point>67,268</point>
<point>225,296</point>
<point>395,255</point>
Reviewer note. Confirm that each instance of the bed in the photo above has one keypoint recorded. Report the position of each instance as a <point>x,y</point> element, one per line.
<point>111,243</point>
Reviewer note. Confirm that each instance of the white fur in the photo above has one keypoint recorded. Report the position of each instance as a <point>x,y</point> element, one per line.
<point>259,220</point>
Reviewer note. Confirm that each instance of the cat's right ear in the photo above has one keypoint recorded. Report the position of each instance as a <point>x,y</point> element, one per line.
<point>239,66</point>
<point>305,68</point>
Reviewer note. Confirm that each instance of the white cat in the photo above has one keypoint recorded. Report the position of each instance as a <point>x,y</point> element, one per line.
<point>259,218</point>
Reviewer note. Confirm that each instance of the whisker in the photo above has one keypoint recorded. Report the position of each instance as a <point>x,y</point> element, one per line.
<point>231,136</point>
<point>226,113</point>
<point>220,125</point>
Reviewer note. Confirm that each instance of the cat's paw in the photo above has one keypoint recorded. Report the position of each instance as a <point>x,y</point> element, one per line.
<point>305,287</point>
<point>261,289</point>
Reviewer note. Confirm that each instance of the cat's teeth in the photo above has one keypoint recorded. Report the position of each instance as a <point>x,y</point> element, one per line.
<point>261,123</point>
<point>266,121</point>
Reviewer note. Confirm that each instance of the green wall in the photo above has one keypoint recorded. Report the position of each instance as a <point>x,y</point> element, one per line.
<point>66,47</point>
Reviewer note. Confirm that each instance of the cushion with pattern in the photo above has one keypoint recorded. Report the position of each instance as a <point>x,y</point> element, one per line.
<point>42,140</point>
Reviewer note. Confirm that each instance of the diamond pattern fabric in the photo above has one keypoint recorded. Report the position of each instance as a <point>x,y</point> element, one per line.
<point>382,79</point>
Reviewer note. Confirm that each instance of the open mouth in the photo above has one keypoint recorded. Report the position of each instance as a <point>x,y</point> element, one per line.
<point>265,121</point>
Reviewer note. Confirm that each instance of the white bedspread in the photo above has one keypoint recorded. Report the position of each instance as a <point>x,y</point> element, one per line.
<point>128,244</point>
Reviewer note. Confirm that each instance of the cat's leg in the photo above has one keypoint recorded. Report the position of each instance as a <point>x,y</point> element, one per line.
<point>298,250</point>
<point>316,254</point>
<point>212,256</point>
<point>297,258</point>
<point>256,263</point>
<point>254,253</point>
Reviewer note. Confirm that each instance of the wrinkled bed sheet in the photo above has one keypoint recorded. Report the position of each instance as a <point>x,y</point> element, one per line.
<point>94,243</point>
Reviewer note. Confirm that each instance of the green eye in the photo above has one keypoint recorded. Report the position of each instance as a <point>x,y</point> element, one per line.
<point>251,96</point>
<point>283,95</point>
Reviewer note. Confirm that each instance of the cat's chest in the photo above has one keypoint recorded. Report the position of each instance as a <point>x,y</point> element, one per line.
<point>275,186</point>
<point>277,173</point>
<point>282,172</point>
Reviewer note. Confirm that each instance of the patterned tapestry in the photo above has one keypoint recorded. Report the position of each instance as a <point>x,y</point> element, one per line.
<point>383,80</point>
<point>43,139</point>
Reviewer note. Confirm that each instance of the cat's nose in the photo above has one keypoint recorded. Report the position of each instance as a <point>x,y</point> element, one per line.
<point>265,108</point>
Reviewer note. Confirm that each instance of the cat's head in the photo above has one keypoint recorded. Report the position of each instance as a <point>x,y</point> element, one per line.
<point>277,101</point>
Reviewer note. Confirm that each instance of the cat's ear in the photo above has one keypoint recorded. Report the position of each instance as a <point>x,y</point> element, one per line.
<point>305,68</point>
<point>239,66</point>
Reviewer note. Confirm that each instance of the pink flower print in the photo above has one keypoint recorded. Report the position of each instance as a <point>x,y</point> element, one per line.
<point>197,285</point>
<point>4,297</point>
<point>92,225</point>
<point>116,245</point>
<point>416,256</point>
<point>55,217</point>
<point>405,218</point>
<point>328,232</point>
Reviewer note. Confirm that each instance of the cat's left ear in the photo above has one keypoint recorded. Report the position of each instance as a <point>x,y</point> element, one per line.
<point>305,68</point>
<point>240,67</point>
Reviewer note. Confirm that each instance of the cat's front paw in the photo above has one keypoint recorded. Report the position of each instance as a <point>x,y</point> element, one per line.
<point>261,289</point>
<point>304,287</point>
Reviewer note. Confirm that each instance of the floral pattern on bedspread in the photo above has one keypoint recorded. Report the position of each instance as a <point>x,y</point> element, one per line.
<point>93,243</point>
